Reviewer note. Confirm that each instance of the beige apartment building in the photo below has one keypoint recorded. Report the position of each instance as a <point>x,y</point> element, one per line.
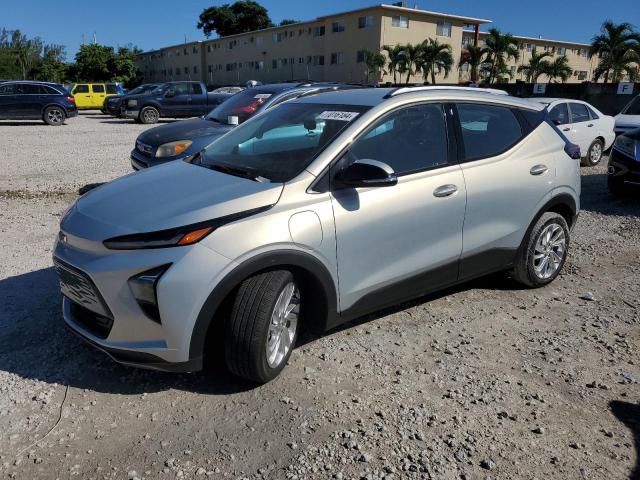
<point>330,48</point>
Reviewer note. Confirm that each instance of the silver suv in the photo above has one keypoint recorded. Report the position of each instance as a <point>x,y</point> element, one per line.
<point>318,211</point>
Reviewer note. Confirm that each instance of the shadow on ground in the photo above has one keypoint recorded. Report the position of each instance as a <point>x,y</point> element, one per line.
<point>600,200</point>
<point>629,414</point>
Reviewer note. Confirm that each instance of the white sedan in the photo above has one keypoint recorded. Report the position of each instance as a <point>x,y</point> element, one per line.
<point>629,117</point>
<point>582,124</point>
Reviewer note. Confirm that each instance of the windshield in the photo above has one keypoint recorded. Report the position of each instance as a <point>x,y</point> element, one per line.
<point>633,108</point>
<point>160,89</point>
<point>141,89</point>
<point>279,144</point>
<point>242,105</point>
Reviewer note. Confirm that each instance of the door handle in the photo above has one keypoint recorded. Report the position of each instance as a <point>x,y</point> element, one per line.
<point>538,169</point>
<point>590,125</point>
<point>445,191</point>
<point>566,129</point>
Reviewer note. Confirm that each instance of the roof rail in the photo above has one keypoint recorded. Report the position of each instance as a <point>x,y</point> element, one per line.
<point>401,90</point>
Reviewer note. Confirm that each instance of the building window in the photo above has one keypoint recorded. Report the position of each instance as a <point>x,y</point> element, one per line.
<point>208,48</point>
<point>195,69</point>
<point>186,52</point>
<point>259,40</point>
<point>318,60</point>
<point>529,47</point>
<point>581,74</point>
<point>210,69</point>
<point>186,70</point>
<point>464,67</point>
<point>274,63</point>
<point>365,22</point>
<point>467,40</point>
<point>259,65</point>
<point>337,58</point>
<point>195,49</point>
<point>583,52</point>
<point>318,31</point>
<point>443,29</point>
<point>562,51</point>
<point>360,56</point>
<point>400,21</point>
<point>278,37</point>
<point>337,27</point>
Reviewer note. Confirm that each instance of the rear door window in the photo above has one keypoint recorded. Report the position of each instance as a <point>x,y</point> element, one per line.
<point>7,89</point>
<point>97,88</point>
<point>487,130</point>
<point>579,113</point>
<point>81,89</point>
<point>27,89</point>
<point>181,89</point>
<point>559,114</point>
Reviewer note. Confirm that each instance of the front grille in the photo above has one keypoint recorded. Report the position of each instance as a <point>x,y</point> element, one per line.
<point>78,287</point>
<point>98,325</point>
<point>144,149</point>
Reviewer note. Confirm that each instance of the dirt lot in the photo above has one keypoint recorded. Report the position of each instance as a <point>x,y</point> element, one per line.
<point>484,381</point>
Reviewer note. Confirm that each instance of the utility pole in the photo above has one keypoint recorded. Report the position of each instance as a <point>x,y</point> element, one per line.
<point>94,38</point>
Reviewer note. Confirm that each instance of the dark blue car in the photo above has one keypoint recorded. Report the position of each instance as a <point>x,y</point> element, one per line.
<point>49,102</point>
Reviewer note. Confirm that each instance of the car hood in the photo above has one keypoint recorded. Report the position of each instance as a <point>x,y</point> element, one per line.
<point>167,196</point>
<point>627,120</point>
<point>182,130</point>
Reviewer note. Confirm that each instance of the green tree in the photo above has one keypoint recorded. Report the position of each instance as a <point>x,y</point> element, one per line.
<point>409,57</point>
<point>536,66</point>
<point>94,62</point>
<point>375,62</point>
<point>52,67</point>
<point>395,56</point>
<point>288,21</point>
<point>230,19</point>
<point>473,56</point>
<point>559,68</point>
<point>500,49</point>
<point>26,52</point>
<point>123,65</point>
<point>618,46</point>
<point>435,58</point>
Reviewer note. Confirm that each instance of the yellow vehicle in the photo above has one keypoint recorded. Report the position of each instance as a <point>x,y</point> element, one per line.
<point>92,95</point>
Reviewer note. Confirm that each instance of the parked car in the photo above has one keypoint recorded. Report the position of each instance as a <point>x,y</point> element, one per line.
<point>629,117</point>
<point>227,90</point>
<point>311,214</point>
<point>172,99</point>
<point>584,125</point>
<point>113,104</point>
<point>624,163</point>
<point>180,140</point>
<point>49,102</point>
<point>91,96</point>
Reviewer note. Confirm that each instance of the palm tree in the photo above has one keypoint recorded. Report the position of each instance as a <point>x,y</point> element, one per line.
<point>473,56</point>
<point>395,55</point>
<point>410,57</point>
<point>25,51</point>
<point>374,61</point>
<point>536,66</point>
<point>618,46</point>
<point>559,68</point>
<point>500,49</point>
<point>434,58</point>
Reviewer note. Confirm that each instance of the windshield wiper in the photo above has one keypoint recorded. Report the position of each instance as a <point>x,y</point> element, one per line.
<point>213,119</point>
<point>236,172</point>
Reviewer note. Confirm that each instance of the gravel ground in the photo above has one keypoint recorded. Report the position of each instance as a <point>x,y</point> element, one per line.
<point>486,380</point>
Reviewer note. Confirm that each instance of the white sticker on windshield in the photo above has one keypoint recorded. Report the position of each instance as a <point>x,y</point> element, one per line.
<point>262,96</point>
<point>342,116</point>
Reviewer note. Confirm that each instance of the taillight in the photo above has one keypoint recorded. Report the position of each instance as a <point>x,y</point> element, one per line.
<point>71,99</point>
<point>572,150</point>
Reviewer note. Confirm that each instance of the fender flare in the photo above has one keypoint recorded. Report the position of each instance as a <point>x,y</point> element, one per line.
<point>265,261</point>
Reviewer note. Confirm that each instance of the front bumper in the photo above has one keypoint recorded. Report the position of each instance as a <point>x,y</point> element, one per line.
<point>140,161</point>
<point>130,113</point>
<point>119,326</point>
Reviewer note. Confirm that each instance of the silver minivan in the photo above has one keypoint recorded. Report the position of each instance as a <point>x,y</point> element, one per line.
<point>316,212</point>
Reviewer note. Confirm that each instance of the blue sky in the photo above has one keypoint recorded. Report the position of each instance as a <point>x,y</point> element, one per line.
<point>151,24</point>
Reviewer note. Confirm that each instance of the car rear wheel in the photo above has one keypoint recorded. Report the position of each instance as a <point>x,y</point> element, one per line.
<point>54,116</point>
<point>149,115</point>
<point>544,251</point>
<point>594,154</point>
<point>263,326</point>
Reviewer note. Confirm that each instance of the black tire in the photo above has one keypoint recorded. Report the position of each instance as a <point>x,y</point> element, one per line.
<point>149,115</point>
<point>525,270</point>
<point>594,154</point>
<point>54,116</point>
<point>247,330</point>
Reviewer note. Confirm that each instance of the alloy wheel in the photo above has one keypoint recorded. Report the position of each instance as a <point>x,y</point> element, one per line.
<point>55,116</point>
<point>283,325</point>
<point>550,250</point>
<point>596,153</point>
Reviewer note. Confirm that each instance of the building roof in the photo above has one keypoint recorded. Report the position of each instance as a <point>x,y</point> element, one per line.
<point>537,39</point>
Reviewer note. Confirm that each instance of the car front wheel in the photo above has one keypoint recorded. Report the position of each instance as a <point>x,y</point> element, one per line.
<point>263,326</point>
<point>149,115</point>
<point>54,116</point>
<point>544,251</point>
<point>594,154</point>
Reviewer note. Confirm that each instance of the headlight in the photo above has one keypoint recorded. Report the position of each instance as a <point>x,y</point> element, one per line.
<point>132,103</point>
<point>626,145</point>
<point>173,148</point>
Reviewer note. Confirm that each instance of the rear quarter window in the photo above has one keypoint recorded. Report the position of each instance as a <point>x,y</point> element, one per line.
<point>7,89</point>
<point>487,130</point>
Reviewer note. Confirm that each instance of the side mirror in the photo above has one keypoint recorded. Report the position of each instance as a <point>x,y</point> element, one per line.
<point>367,173</point>
<point>170,93</point>
<point>556,122</point>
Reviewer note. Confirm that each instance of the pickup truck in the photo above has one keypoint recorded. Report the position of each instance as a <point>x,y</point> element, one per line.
<point>172,99</point>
